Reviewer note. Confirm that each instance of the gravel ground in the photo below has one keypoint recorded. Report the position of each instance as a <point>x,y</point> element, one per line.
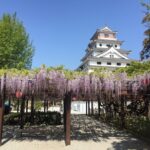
<point>86,134</point>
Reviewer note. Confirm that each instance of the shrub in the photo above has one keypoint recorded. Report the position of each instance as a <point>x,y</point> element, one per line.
<point>49,118</point>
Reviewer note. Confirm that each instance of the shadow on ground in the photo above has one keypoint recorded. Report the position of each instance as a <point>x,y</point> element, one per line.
<point>83,128</point>
<point>129,144</point>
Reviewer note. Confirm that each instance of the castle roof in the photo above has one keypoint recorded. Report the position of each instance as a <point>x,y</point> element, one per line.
<point>106,29</point>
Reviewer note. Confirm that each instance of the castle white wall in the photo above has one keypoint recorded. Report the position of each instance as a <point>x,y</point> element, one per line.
<point>104,64</point>
<point>95,53</point>
<point>105,45</point>
<point>111,36</point>
<point>114,55</point>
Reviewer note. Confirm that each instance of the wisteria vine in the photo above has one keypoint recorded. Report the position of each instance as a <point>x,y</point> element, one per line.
<point>58,83</point>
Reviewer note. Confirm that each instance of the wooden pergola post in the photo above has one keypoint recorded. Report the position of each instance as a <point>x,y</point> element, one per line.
<point>64,115</point>
<point>92,109</point>
<point>44,105</point>
<point>86,107</point>
<point>32,109</point>
<point>2,100</point>
<point>47,105</point>
<point>147,104</point>
<point>27,105</point>
<point>18,104</point>
<point>148,111</point>
<point>98,99</point>
<point>122,112</point>
<point>67,117</point>
<point>22,112</point>
<point>1,119</point>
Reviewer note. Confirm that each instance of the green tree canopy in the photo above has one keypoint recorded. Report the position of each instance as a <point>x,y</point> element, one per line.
<point>16,50</point>
<point>146,21</point>
<point>135,68</point>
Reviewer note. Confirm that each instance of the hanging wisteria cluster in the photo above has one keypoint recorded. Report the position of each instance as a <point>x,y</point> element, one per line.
<point>57,83</point>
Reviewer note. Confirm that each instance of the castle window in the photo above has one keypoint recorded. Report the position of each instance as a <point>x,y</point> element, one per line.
<point>100,44</point>
<point>114,35</point>
<point>108,45</point>
<point>106,35</point>
<point>111,56</point>
<point>118,64</point>
<point>115,45</point>
<point>99,63</point>
<point>108,63</point>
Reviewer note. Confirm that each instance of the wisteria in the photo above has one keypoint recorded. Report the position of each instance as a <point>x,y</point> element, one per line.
<point>108,90</point>
<point>55,82</point>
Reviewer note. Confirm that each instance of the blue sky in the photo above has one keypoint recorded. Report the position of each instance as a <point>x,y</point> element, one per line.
<point>61,29</point>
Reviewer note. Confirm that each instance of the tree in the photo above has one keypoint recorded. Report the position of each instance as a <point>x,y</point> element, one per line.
<point>146,42</point>
<point>16,50</point>
<point>135,68</point>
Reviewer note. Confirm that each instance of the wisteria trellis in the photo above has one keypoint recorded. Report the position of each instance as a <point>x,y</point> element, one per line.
<point>55,82</point>
<point>60,83</point>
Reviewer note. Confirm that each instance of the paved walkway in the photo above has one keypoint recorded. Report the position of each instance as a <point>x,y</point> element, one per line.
<point>87,134</point>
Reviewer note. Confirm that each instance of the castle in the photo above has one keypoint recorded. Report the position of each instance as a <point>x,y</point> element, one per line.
<point>104,50</point>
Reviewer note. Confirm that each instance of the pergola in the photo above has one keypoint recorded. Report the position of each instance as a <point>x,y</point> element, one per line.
<point>62,84</point>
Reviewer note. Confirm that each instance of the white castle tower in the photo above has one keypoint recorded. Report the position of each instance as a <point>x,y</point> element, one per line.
<point>104,50</point>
